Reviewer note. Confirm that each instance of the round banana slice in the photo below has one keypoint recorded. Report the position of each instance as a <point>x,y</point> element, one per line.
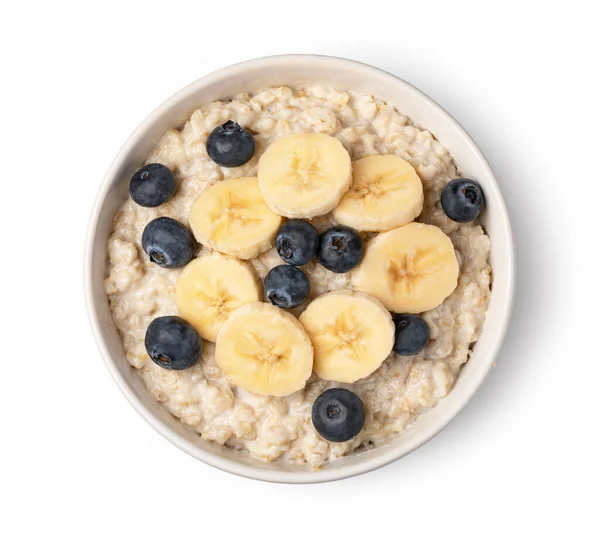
<point>386,193</point>
<point>410,269</point>
<point>231,217</point>
<point>265,350</point>
<point>352,334</point>
<point>210,288</point>
<point>304,175</point>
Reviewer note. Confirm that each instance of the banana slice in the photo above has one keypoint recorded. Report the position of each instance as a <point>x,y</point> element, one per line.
<point>352,334</point>
<point>231,217</point>
<point>304,175</point>
<point>386,193</point>
<point>265,350</point>
<point>210,288</point>
<point>410,269</point>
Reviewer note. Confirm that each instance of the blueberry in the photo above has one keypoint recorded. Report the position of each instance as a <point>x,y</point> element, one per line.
<point>230,145</point>
<point>152,185</point>
<point>412,334</point>
<point>168,243</point>
<point>340,249</point>
<point>338,415</point>
<point>297,242</point>
<point>286,286</point>
<point>462,200</point>
<point>172,343</point>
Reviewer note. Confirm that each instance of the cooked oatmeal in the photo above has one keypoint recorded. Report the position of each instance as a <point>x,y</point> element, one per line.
<point>270,428</point>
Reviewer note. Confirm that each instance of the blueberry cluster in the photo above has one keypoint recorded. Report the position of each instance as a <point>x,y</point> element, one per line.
<point>338,249</point>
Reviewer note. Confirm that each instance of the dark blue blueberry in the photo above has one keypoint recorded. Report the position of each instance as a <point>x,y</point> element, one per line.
<point>297,242</point>
<point>172,342</point>
<point>230,145</point>
<point>168,243</point>
<point>338,415</point>
<point>462,200</point>
<point>412,334</point>
<point>286,286</point>
<point>152,185</point>
<point>340,249</point>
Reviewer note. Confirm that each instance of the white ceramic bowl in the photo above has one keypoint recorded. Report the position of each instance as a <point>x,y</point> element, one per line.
<point>293,70</point>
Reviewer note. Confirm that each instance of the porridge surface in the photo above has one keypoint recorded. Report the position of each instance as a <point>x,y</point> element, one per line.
<point>270,428</point>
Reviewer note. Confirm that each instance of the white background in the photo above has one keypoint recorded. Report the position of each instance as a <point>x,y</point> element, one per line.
<point>519,464</point>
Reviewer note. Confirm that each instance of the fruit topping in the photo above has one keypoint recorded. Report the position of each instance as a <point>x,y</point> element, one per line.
<point>265,350</point>
<point>386,193</point>
<point>410,269</point>
<point>168,242</point>
<point>297,242</point>
<point>352,334</point>
<point>462,200</point>
<point>340,249</point>
<point>412,334</point>
<point>338,415</point>
<point>286,286</point>
<point>173,343</point>
<point>152,185</point>
<point>304,175</point>
<point>231,217</point>
<point>230,145</point>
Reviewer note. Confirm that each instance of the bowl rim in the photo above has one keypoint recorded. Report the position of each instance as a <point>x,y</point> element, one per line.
<point>221,462</point>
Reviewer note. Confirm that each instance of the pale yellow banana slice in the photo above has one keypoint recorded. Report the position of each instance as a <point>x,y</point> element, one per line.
<point>231,217</point>
<point>210,288</point>
<point>410,269</point>
<point>352,334</point>
<point>304,175</point>
<point>265,350</point>
<point>386,193</point>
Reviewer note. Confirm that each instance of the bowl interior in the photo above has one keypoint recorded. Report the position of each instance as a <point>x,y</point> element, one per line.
<point>295,70</point>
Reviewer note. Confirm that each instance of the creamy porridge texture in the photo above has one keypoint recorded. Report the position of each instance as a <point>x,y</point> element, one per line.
<point>270,428</point>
